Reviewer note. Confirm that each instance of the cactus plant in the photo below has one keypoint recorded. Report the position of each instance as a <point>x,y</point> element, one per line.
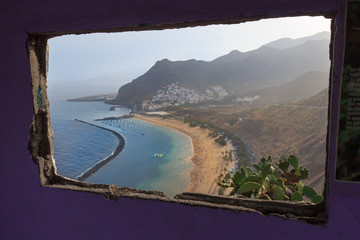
<point>272,180</point>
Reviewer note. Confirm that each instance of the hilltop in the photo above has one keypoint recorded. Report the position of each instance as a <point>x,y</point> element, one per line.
<point>237,72</point>
<point>300,88</point>
<point>284,43</point>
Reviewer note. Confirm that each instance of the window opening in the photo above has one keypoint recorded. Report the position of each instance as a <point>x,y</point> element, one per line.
<point>221,110</point>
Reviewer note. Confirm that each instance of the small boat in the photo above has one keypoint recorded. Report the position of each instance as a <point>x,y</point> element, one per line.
<point>159,155</point>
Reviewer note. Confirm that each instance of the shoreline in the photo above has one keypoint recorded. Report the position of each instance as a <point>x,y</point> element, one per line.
<point>103,162</point>
<point>207,158</point>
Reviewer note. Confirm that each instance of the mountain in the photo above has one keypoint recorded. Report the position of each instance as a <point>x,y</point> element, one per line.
<point>237,72</point>
<point>284,43</point>
<point>300,88</point>
<point>189,74</point>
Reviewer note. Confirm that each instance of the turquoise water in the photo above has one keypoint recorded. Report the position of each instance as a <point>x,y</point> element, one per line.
<point>78,146</point>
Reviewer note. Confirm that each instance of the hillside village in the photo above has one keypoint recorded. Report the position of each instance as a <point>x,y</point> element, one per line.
<point>174,95</point>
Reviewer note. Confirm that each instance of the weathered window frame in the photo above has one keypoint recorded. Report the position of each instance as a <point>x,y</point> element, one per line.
<point>41,139</point>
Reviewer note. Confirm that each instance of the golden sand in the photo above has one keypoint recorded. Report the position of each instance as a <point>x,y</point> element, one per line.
<point>208,159</point>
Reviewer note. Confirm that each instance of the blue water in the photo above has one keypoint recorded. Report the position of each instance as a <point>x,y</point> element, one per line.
<point>78,146</point>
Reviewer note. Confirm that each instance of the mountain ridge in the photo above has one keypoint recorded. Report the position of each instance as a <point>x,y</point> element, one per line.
<point>284,43</point>
<point>237,72</point>
<point>300,88</point>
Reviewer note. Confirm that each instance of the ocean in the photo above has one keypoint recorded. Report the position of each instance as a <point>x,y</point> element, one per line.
<point>79,146</point>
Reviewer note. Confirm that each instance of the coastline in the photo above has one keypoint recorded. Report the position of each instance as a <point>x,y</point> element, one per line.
<point>207,154</point>
<point>103,162</point>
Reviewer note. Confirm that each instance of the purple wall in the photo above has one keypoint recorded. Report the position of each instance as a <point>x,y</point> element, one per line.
<point>29,211</point>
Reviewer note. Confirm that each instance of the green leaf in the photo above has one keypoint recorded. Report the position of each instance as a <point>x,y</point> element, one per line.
<point>317,199</point>
<point>278,193</point>
<point>238,177</point>
<point>309,192</point>
<point>293,161</point>
<point>272,179</point>
<point>276,174</point>
<point>247,187</point>
<point>280,183</point>
<point>300,187</point>
<point>265,170</point>
<point>298,172</point>
<point>304,173</point>
<point>248,171</point>
<point>296,196</point>
<point>257,167</point>
<point>266,161</point>
<point>252,178</point>
<point>283,165</point>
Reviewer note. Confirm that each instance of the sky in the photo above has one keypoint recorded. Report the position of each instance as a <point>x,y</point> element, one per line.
<point>100,63</point>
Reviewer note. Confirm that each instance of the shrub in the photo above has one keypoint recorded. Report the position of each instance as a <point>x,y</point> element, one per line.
<point>213,134</point>
<point>221,140</point>
<point>192,124</point>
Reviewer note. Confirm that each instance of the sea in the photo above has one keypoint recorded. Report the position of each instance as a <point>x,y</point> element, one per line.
<point>79,146</point>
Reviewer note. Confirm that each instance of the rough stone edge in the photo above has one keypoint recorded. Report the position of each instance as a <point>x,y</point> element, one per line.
<point>239,18</point>
<point>41,141</point>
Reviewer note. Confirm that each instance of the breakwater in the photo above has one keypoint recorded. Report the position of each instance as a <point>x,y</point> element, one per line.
<point>115,118</point>
<point>103,162</point>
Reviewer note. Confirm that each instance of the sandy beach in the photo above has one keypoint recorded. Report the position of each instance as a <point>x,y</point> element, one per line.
<point>208,160</point>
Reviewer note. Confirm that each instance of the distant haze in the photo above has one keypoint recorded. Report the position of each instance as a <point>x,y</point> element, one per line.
<point>90,64</point>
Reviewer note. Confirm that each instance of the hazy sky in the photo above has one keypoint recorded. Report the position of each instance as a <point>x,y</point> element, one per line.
<point>88,64</point>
